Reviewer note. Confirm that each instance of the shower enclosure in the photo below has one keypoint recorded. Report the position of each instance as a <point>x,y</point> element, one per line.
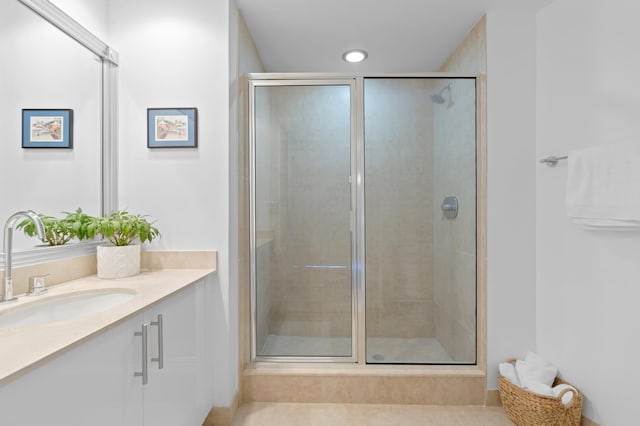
<point>363,218</point>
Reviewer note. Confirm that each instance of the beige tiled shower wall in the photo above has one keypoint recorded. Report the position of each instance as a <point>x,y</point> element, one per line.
<point>399,208</point>
<point>308,209</point>
<point>263,293</point>
<point>454,240</point>
<point>263,206</point>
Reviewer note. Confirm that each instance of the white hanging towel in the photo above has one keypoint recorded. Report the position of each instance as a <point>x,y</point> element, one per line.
<point>603,187</point>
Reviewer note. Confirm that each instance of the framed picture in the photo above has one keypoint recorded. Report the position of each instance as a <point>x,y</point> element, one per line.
<point>47,128</point>
<point>172,127</point>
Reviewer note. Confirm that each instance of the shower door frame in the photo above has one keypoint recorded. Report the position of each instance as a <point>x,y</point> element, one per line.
<point>271,80</point>
<point>357,219</point>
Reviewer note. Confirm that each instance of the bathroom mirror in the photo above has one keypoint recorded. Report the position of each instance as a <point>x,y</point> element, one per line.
<point>53,62</point>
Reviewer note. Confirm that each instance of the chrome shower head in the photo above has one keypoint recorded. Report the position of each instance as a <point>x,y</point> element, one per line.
<point>437,98</point>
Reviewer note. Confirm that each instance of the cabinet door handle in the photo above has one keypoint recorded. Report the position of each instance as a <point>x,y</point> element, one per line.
<point>145,369</point>
<point>160,358</point>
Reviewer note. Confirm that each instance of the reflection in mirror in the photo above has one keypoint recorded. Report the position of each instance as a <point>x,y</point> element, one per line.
<point>50,61</point>
<point>46,69</point>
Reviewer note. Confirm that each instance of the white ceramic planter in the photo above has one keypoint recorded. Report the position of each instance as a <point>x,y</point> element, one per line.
<point>118,262</point>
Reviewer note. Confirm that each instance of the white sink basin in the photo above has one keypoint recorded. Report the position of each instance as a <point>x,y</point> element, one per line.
<point>64,307</point>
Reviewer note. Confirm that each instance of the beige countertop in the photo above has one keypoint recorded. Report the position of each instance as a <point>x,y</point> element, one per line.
<point>24,347</point>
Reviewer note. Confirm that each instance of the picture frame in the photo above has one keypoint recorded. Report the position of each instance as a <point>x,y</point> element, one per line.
<point>47,128</point>
<point>172,127</point>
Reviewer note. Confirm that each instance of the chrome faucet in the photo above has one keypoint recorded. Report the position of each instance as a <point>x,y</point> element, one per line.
<point>8,243</point>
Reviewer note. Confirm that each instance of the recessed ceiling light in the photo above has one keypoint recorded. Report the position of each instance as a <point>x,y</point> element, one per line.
<point>355,56</point>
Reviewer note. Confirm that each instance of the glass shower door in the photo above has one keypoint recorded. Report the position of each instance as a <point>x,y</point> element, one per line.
<point>301,221</point>
<point>420,161</point>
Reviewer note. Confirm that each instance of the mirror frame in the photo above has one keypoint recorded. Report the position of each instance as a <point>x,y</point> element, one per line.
<point>109,130</point>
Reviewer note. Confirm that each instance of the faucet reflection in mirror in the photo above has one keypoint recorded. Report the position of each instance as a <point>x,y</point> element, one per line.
<point>8,242</point>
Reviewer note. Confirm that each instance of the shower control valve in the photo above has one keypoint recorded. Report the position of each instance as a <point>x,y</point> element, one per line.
<point>450,207</point>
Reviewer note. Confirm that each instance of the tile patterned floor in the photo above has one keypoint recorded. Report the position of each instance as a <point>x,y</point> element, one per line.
<point>293,414</point>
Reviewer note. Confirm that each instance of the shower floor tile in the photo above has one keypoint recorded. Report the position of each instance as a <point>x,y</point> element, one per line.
<point>410,351</point>
<point>275,345</point>
<point>379,349</point>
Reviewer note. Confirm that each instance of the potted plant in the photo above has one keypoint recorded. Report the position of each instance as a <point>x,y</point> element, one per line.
<point>59,231</point>
<point>122,229</point>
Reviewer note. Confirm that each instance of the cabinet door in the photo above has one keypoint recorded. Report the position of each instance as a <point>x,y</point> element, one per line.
<point>92,383</point>
<point>173,395</point>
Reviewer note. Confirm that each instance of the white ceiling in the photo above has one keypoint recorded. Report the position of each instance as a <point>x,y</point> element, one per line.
<point>400,35</point>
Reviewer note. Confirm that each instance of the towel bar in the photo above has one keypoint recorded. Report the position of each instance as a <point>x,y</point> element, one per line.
<point>552,160</point>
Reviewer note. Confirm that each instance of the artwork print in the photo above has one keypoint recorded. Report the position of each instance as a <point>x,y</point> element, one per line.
<point>172,127</point>
<point>47,128</point>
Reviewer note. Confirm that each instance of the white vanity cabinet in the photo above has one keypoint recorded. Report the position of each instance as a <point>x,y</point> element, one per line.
<point>181,392</point>
<point>94,382</point>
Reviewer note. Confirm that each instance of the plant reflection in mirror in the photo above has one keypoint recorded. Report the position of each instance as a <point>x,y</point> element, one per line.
<point>59,231</point>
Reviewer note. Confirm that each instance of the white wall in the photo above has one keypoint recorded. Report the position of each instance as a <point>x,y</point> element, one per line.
<point>233,203</point>
<point>178,56</point>
<point>510,187</point>
<point>588,283</point>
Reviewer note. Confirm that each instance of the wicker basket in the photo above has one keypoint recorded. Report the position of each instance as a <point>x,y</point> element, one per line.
<point>525,408</point>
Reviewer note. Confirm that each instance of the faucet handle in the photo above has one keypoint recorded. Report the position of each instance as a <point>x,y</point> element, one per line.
<point>37,285</point>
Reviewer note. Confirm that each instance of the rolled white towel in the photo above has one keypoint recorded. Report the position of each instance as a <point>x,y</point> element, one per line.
<point>540,389</point>
<point>531,373</point>
<point>568,396</point>
<point>508,371</point>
